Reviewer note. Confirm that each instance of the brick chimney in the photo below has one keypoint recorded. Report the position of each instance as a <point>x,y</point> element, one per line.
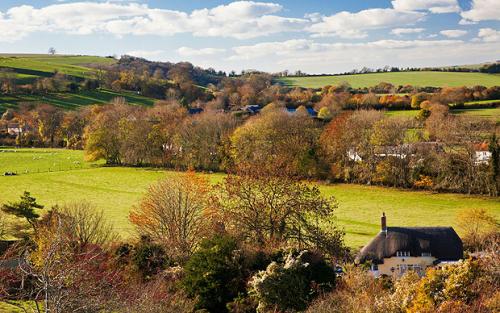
<point>383,223</point>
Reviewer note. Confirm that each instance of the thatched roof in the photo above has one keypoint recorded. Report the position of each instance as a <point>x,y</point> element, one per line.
<point>442,243</point>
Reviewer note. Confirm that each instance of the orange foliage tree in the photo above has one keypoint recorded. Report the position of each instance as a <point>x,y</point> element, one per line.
<point>173,212</point>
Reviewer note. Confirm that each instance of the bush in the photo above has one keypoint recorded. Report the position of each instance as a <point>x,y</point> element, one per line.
<point>214,274</point>
<point>290,286</point>
<point>149,258</point>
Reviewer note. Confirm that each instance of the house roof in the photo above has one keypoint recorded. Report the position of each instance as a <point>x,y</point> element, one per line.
<point>193,111</point>
<point>309,110</point>
<point>442,242</point>
<point>252,108</point>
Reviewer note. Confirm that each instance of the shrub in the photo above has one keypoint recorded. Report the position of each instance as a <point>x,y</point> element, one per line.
<point>291,285</point>
<point>214,274</point>
<point>149,258</point>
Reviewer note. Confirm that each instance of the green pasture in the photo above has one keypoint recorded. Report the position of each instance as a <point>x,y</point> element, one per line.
<point>490,113</point>
<point>423,79</point>
<point>45,65</point>
<point>29,161</point>
<point>74,100</point>
<point>117,189</point>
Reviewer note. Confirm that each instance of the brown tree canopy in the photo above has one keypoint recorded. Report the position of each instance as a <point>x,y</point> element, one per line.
<point>278,139</point>
<point>277,211</point>
<point>173,213</point>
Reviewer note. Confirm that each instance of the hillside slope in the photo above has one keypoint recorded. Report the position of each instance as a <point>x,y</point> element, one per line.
<point>29,67</point>
<point>422,79</point>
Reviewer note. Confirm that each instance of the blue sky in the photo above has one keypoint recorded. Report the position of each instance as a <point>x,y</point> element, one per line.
<point>314,36</point>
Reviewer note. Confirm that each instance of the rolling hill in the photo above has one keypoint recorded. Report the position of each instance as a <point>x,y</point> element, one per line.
<point>422,79</point>
<point>31,66</point>
<point>72,101</point>
<point>28,67</point>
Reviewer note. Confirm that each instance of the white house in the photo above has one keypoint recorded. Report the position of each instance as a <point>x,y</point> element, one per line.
<point>14,129</point>
<point>483,157</point>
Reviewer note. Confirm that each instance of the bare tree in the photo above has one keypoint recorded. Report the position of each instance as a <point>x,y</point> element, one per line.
<point>88,224</point>
<point>171,213</point>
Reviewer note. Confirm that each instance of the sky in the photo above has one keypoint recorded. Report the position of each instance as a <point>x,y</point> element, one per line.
<point>314,36</point>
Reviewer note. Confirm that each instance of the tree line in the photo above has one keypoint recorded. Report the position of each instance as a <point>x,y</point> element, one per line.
<point>490,68</point>
<point>437,150</point>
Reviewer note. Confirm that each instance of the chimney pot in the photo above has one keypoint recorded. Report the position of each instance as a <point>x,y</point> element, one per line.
<point>383,222</point>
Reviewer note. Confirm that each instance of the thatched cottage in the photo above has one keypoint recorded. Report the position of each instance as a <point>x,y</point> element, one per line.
<point>395,250</point>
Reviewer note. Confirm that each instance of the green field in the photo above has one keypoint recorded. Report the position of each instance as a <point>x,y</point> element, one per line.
<point>42,65</point>
<point>489,113</point>
<point>30,67</point>
<point>423,79</point>
<point>75,100</point>
<point>117,189</point>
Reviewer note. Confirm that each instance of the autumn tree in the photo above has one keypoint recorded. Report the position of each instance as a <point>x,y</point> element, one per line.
<point>72,129</point>
<point>279,140</point>
<point>167,118</point>
<point>49,120</point>
<point>7,81</point>
<point>479,227</point>
<point>133,135</point>
<point>172,214</point>
<point>203,141</point>
<point>277,211</point>
<point>102,139</point>
<point>389,138</point>
<point>346,146</point>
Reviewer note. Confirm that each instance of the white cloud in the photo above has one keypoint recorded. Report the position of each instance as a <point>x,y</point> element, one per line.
<point>434,6</point>
<point>190,52</point>
<point>453,33</point>
<point>240,19</point>
<point>402,31</point>
<point>489,35</point>
<point>316,57</point>
<point>290,47</point>
<point>482,10</point>
<point>354,25</point>
<point>147,54</point>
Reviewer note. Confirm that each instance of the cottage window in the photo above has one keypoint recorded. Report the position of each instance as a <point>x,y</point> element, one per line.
<point>402,253</point>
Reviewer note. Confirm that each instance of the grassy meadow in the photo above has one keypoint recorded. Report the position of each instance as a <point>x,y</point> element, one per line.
<point>423,79</point>
<point>43,65</point>
<point>29,67</point>
<point>73,101</point>
<point>489,113</point>
<point>116,189</point>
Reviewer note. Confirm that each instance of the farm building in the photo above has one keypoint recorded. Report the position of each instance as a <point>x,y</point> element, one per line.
<point>483,155</point>
<point>310,111</point>
<point>396,250</point>
<point>14,129</point>
<point>252,109</point>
